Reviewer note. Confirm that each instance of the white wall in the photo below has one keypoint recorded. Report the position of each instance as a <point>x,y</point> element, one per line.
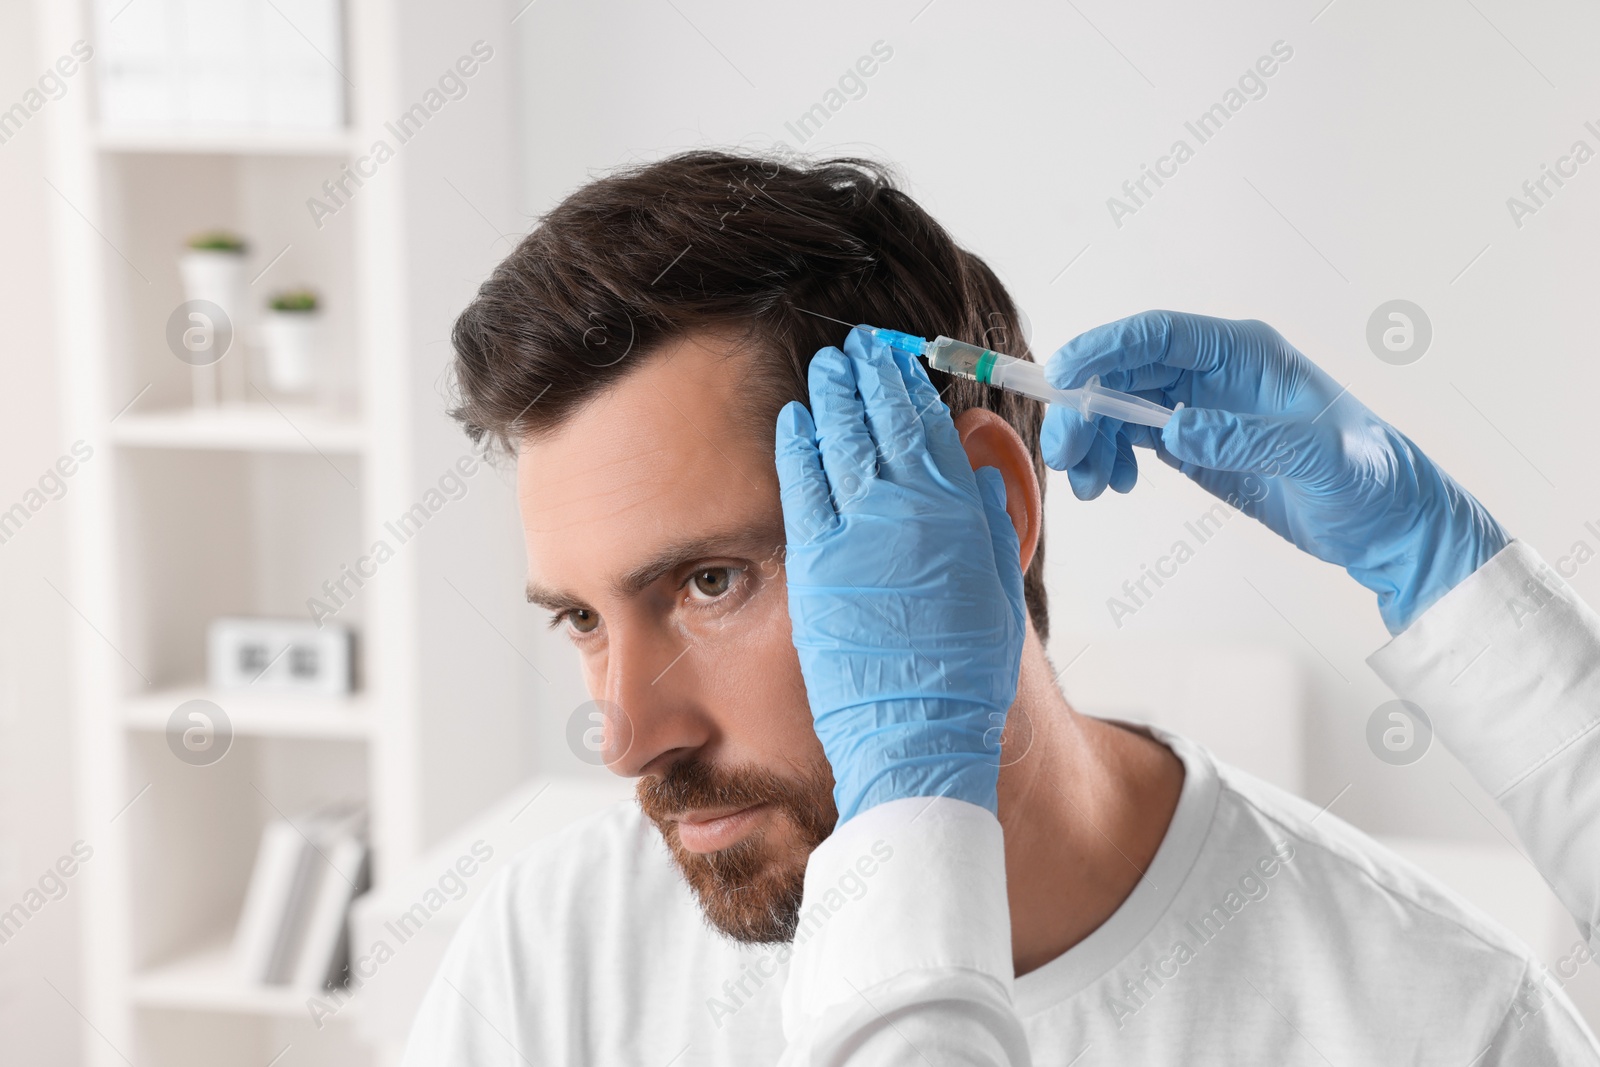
<point>37,1024</point>
<point>1377,166</point>
<point>459,190</point>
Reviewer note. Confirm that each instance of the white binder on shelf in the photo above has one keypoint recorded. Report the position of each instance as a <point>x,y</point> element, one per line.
<point>292,930</point>
<point>214,64</point>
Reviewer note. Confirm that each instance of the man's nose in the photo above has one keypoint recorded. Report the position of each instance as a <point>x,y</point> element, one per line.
<point>654,714</point>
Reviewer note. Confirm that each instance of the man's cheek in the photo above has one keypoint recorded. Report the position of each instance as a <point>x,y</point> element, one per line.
<point>751,651</point>
<point>593,666</point>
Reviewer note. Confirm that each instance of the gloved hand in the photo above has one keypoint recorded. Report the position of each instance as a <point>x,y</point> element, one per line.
<point>905,582</point>
<point>1266,430</point>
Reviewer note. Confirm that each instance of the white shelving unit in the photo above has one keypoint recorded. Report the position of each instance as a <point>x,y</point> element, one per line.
<point>202,980</point>
<point>241,428</point>
<point>334,144</point>
<point>350,719</point>
<point>246,511</point>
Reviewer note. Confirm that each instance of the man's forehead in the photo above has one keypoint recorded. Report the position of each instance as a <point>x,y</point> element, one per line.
<point>666,454</point>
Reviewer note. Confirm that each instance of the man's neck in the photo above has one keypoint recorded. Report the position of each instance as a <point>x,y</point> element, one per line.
<point>1084,805</point>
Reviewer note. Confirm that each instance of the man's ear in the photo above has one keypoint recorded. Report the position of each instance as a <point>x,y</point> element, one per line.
<point>991,442</point>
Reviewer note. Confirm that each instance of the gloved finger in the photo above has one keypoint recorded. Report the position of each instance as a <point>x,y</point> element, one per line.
<point>848,454</point>
<point>1090,475</point>
<point>891,419</point>
<point>1170,338</point>
<point>938,429</point>
<point>1137,436</point>
<point>1065,437</point>
<point>1159,447</point>
<point>1124,467</point>
<point>1269,445</point>
<point>1151,380</point>
<point>1244,491</point>
<point>1003,537</point>
<point>802,485</point>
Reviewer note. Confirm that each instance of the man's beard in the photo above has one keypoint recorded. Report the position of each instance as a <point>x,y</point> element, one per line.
<point>751,891</point>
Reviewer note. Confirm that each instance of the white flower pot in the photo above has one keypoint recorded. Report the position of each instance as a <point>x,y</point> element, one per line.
<point>218,278</point>
<point>291,343</point>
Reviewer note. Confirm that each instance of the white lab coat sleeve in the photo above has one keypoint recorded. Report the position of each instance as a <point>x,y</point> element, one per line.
<point>903,952</point>
<point>1507,668</point>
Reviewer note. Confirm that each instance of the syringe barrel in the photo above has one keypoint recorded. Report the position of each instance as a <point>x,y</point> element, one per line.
<point>1026,377</point>
<point>992,368</point>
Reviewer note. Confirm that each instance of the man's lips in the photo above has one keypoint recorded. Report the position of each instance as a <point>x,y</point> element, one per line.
<point>711,830</point>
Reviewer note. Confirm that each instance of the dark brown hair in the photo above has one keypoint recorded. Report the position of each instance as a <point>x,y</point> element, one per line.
<point>775,251</point>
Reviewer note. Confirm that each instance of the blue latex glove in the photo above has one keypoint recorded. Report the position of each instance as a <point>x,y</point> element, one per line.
<point>905,583</point>
<point>1266,430</point>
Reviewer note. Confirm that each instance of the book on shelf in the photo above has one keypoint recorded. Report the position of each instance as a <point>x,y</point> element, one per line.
<point>292,930</point>
<point>325,945</point>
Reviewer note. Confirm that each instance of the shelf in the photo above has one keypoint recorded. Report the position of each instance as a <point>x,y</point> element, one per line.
<point>241,428</point>
<point>243,140</point>
<point>260,714</point>
<point>248,507</point>
<point>204,981</point>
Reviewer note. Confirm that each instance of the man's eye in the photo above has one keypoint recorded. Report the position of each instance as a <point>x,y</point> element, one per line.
<point>713,582</point>
<point>582,620</point>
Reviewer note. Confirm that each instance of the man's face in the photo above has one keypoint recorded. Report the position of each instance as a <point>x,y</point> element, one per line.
<point>655,537</point>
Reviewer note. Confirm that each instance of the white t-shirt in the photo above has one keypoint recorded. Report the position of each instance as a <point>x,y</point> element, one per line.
<point>1264,932</point>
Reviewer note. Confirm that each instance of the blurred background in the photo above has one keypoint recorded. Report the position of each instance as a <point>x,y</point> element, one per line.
<point>266,662</point>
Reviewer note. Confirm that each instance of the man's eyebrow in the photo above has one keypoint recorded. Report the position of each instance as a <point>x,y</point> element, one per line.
<point>553,599</point>
<point>761,536</point>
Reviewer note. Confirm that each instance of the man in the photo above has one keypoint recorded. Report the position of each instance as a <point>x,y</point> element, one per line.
<point>810,639</point>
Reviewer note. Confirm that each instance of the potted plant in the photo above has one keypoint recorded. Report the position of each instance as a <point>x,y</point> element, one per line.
<point>212,269</point>
<point>289,331</point>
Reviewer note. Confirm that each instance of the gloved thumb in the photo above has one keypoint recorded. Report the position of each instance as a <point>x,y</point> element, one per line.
<point>1269,445</point>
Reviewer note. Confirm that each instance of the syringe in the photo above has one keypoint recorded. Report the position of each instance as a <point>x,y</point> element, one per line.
<point>1024,377</point>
